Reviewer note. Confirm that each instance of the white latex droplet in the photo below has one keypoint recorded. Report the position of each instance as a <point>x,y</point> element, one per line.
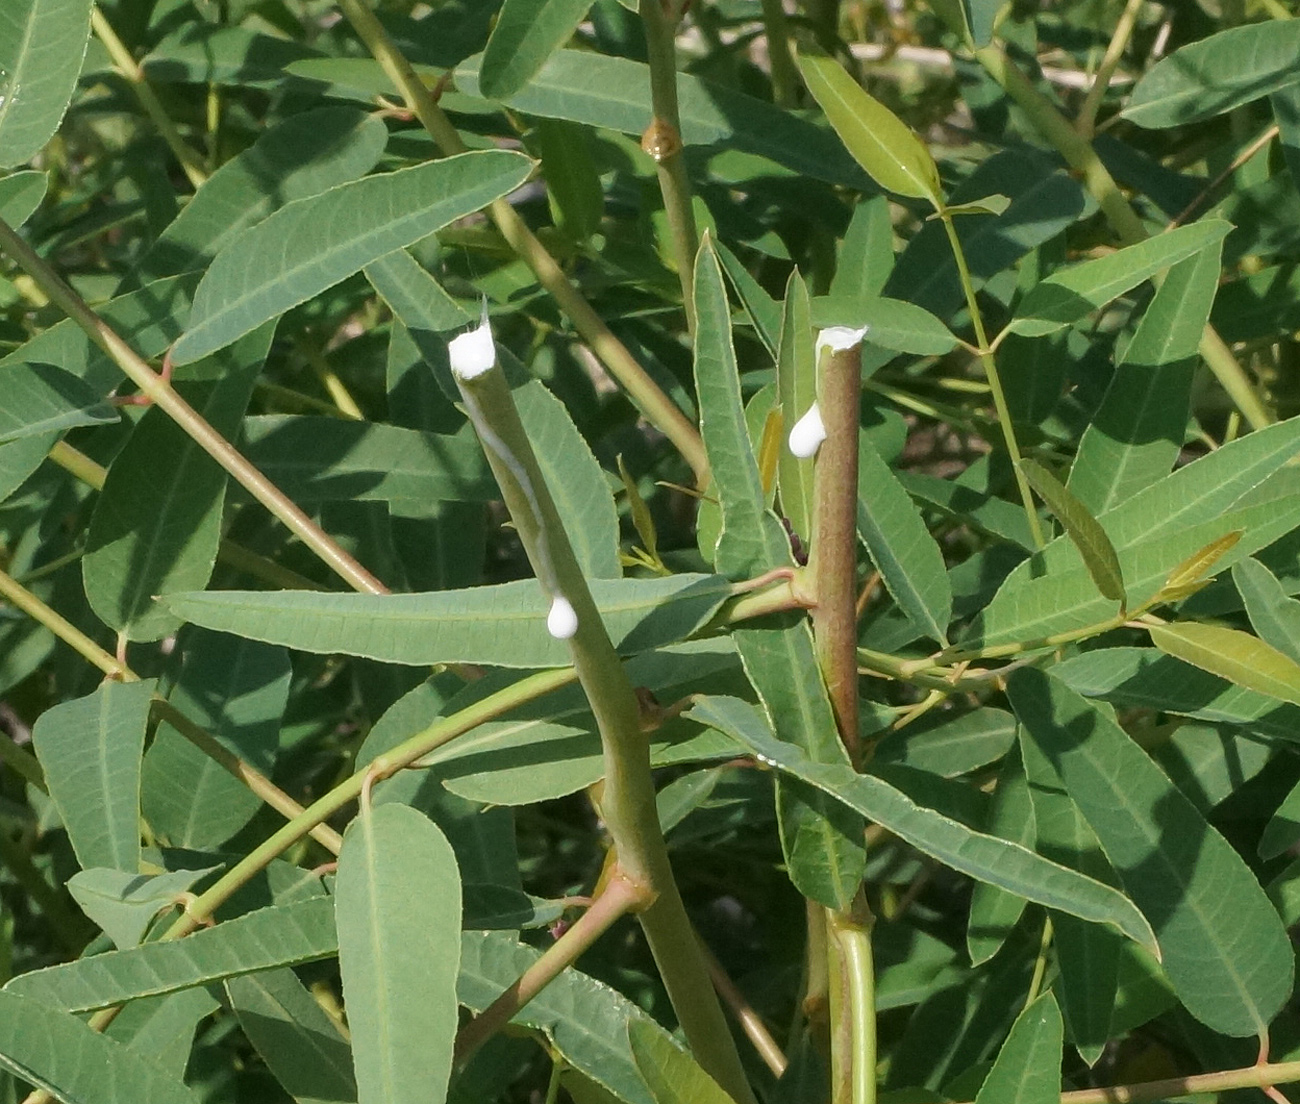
<point>562,621</point>
<point>836,338</point>
<point>808,433</point>
<point>473,353</point>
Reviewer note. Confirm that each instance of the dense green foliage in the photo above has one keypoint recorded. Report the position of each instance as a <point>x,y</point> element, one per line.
<point>343,693</point>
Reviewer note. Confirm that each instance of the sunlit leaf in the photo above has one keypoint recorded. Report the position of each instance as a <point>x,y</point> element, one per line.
<point>1232,654</point>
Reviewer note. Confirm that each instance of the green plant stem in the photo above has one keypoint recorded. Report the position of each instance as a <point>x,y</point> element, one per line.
<point>994,380</point>
<point>619,897</point>
<point>751,1023</point>
<point>627,800</point>
<point>659,410</point>
<point>160,392</point>
<point>834,556</point>
<point>1249,1077</point>
<point>1086,124</point>
<point>133,74</point>
<point>1040,963</point>
<point>262,786</point>
<point>22,762</point>
<point>1081,157</point>
<point>785,76</point>
<point>851,932</point>
<point>663,142</point>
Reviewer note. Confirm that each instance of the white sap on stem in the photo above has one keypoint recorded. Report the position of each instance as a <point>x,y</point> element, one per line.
<point>810,431</point>
<point>473,353</point>
<point>562,621</point>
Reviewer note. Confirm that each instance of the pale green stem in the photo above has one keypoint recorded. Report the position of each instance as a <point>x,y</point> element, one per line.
<point>1040,963</point>
<point>627,803</point>
<point>130,70</point>
<point>659,410</point>
<point>663,142</point>
<point>1250,1077</point>
<point>994,380</point>
<point>1087,121</point>
<point>853,936</point>
<point>1081,157</point>
<point>161,393</point>
<point>785,76</point>
<point>619,897</point>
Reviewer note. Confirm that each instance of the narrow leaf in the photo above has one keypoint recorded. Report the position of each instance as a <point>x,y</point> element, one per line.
<point>90,751</point>
<point>59,1053</point>
<point>398,905</point>
<point>1028,1067</point>
<point>796,390</point>
<point>1082,528</point>
<point>906,555</point>
<point>1220,72</point>
<point>42,45</point>
<point>124,904</point>
<point>1224,948</point>
<point>311,244</point>
<point>673,1076</point>
<point>993,911</point>
<point>280,935</point>
<point>999,862</point>
<point>1274,614</point>
<point>501,626</point>
<point>299,1043</point>
<point>878,139</point>
<point>39,398</point>
<point>527,32</point>
<point>1232,654</point>
<point>1196,568</point>
<point>1073,292</point>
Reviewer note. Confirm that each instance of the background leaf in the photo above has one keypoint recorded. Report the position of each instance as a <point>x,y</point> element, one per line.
<point>527,32</point>
<point>1028,1067</point>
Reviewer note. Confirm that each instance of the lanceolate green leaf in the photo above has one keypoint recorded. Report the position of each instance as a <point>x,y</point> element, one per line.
<point>880,142</point>
<point>993,911</point>
<point>284,935</point>
<point>317,459</point>
<point>892,324</point>
<point>796,388</point>
<point>20,194</point>
<point>527,32</point>
<point>157,524</point>
<point>1028,1067</point>
<point>398,905</point>
<point>614,92</point>
<point>311,244</point>
<point>41,399</point>
<point>502,626</point>
<point>1138,430</point>
<point>1237,656</point>
<point>999,862</point>
<point>1083,530</point>
<point>1224,948</point>
<point>1217,74</point>
<point>90,751</point>
<point>124,903</point>
<point>300,157</point>
<point>289,1029</point>
<point>59,1053</point>
<point>674,1077</point>
<point>584,1019</point>
<point>907,557</point>
<point>1274,615</point>
<point>42,44</point>
<point>575,480</point>
<point>1074,292</point>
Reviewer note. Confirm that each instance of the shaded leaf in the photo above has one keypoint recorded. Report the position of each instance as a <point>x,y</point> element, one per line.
<point>1028,1067</point>
<point>796,389</point>
<point>993,911</point>
<point>527,32</point>
<point>673,1076</point>
<point>1082,528</point>
<point>90,751</point>
<point>42,399</point>
<point>1220,72</point>
<point>1274,615</point>
<point>1223,946</point>
<point>124,904</point>
<point>365,220</point>
<point>398,906</point>
<point>20,194</point>
<point>999,862</point>
<point>502,625</point>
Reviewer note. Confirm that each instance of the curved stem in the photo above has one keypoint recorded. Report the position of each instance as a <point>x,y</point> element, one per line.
<point>1087,120</point>
<point>994,380</point>
<point>160,391</point>
<point>659,410</point>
